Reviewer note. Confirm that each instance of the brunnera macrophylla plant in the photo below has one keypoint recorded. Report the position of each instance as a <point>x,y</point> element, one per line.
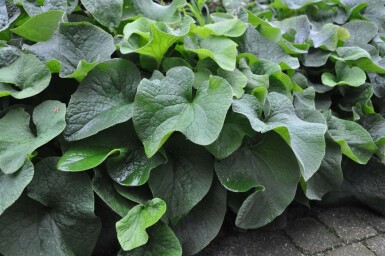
<point>131,127</point>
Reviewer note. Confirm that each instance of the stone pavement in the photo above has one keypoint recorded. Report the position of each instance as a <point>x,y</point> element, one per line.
<point>341,231</point>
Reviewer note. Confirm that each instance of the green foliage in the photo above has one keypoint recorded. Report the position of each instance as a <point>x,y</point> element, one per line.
<point>159,118</point>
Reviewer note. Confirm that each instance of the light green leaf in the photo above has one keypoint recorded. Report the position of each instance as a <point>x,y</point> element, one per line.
<point>72,43</point>
<point>162,242</point>
<point>184,180</point>
<point>60,219</point>
<point>294,4</point>
<point>220,49</point>
<point>154,11</point>
<point>255,167</point>
<point>104,188</point>
<point>13,185</point>
<point>225,27</point>
<point>202,224</point>
<point>164,106</point>
<point>28,74</point>
<point>329,176</point>
<point>300,24</point>
<point>40,27</point>
<point>106,12</point>
<point>305,138</point>
<point>132,228</point>
<point>103,99</point>
<point>16,138</point>
<point>345,75</point>
<point>152,38</point>
<point>356,143</point>
<point>253,42</point>
<point>329,36</point>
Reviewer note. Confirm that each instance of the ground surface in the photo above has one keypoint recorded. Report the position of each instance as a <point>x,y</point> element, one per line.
<point>341,231</point>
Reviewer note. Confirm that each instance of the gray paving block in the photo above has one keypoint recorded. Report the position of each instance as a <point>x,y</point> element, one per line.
<point>351,250</point>
<point>377,245</point>
<point>253,243</point>
<point>347,225</point>
<point>377,221</point>
<point>311,236</point>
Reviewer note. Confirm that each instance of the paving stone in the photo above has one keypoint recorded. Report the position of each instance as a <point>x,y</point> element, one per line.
<point>376,220</point>
<point>311,236</point>
<point>351,250</point>
<point>347,225</point>
<point>377,245</point>
<point>253,243</point>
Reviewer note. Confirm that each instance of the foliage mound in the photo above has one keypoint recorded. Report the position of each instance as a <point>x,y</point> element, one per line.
<point>131,127</point>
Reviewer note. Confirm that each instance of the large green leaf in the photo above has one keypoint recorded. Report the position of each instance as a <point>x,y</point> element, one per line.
<point>162,242</point>
<point>9,12</point>
<point>27,74</point>
<point>253,42</point>
<point>300,24</point>
<point>202,224</point>
<point>224,27</point>
<point>345,75</point>
<point>40,27</point>
<point>164,106</point>
<point>305,138</point>
<point>219,48</point>
<point>8,55</point>
<point>152,38</point>
<point>132,228</point>
<point>185,179</point>
<point>256,168</point>
<point>356,143</point>
<point>106,12</point>
<point>73,46</point>
<point>60,219</point>
<point>13,185</point>
<point>16,138</point>
<point>103,99</point>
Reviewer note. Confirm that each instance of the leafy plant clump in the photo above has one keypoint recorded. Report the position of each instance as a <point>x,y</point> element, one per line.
<point>130,127</point>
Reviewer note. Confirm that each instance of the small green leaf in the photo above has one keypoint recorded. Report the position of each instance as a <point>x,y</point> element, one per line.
<point>164,106</point>
<point>103,99</point>
<point>329,36</point>
<point>162,242</point>
<point>154,11</point>
<point>236,79</point>
<point>13,185</point>
<point>28,74</point>
<point>152,38</point>
<point>345,75</point>
<point>225,27</point>
<point>40,27</point>
<point>16,138</point>
<point>132,228</point>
